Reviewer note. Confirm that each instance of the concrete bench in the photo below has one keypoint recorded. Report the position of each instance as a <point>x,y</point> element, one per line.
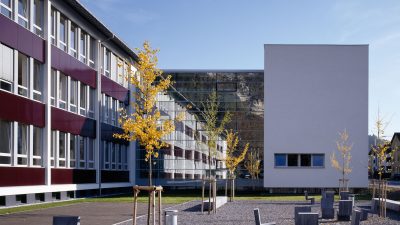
<point>307,218</point>
<point>355,217</point>
<point>299,209</point>
<point>258,219</point>
<point>390,204</point>
<point>66,220</point>
<point>327,201</point>
<point>312,200</point>
<point>345,209</point>
<point>220,201</point>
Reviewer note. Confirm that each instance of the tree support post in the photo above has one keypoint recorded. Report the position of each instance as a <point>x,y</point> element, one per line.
<point>153,190</point>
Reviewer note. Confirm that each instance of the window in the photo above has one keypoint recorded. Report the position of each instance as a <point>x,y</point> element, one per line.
<point>72,150</point>
<point>113,68</point>
<point>53,149</point>
<point>106,109</point>
<point>63,33</point>
<point>62,94</point>
<point>82,155</point>
<point>53,87</point>
<point>23,144</point>
<point>82,47</point>
<point>120,71</point>
<point>118,153</point>
<point>53,26</point>
<point>107,62</point>
<point>73,97</point>
<point>6,141</point>
<point>113,155</point>
<point>73,40</point>
<point>62,147</point>
<point>92,52</point>
<point>90,154</point>
<point>305,160</point>
<point>37,146</point>
<point>6,8</point>
<point>113,110</point>
<point>106,151</point>
<point>318,160</point>
<point>6,68</point>
<point>124,151</point>
<point>91,102</point>
<point>37,80</point>
<point>23,74</point>
<point>280,160</point>
<point>38,17</point>
<point>293,160</point>
<point>83,99</point>
<point>23,13</point>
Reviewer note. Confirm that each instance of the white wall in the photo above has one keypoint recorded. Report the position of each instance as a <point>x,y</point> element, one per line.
<point>311,93</point>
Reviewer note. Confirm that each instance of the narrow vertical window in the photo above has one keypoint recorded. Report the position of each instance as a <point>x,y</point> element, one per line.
<point>63,33</point>
<point>92,52</point>
<point>73,95</point>
<point>113,155</point>
<point>6,68</point>
<point>23,146</point>
<point>113,68</point>
<point>23,74</point>
<point>82,155</point>
<point>37,80</point>
<point>37,146</point>
<point>23,13</point>
<point>107,62</point>
<point>6,142</point>
<point>106,111</point>
<point>53,147</point>
<point>73,40</point>
<point>53,26</point>
<point>72,150</point>
<point>53,87</point>
<point>90,154</point>
<point>6,8</point>
<point>62,147</point>
<point>119,157</point>
<point>91,102</point>
<point>62,92</point>
<point>82,47</point>
<point>83,99</point>
<point>38,17</point>
<point>106,155</point>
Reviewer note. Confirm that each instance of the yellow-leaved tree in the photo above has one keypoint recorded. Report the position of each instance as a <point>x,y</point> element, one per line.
<point>342,164</point>
<point>233,157</point>
<point>252,164</point>
<point>145,124</point>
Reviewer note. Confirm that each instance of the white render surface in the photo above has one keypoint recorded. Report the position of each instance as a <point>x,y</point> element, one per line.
<point>311,93</point>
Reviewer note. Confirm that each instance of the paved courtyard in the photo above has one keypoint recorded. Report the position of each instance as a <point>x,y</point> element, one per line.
<point>232,213</point>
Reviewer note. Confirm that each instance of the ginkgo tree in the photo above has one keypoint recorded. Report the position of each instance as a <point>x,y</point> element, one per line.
<point>145,124</point>
<point>342,163</point>
<point>233,157</point>
<point>253,165</point>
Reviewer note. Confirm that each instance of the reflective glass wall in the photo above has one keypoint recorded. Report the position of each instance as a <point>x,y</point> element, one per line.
<point>239,92</point>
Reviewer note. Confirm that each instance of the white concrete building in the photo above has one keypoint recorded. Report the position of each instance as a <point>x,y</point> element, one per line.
<point>311,93</point>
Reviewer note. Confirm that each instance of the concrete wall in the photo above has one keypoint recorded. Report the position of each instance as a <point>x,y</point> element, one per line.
<point>311,93</point>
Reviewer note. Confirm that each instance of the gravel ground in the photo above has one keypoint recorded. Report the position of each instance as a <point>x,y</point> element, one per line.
<point>241,212</point>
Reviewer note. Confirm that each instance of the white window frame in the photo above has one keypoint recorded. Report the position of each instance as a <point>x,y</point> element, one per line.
<point>113,110</point>
<point>73,106</point>
<point>54,26</point>
<point>53,87</point>
<point>75,146</point>
<point>54,148</point>
<point>21,18</point>
<point>6,67</point>
<point>92,46</point>
<point>20,86</point>
<point>90,150</point>
<point>82,162</point>
<point>65,158</point>
<point>73,51</point>
<point>83,89</point>
<point>41,81</point>
<point>8,8</point>
<point>19,155</point>
<point>11,139</point>
<point>107,62</point>
<point>83,46</point>
<point>37,28</point>
<point>91,101</point>
<point>62,44</point>
<point>37,157</point>
<point>61,101</point>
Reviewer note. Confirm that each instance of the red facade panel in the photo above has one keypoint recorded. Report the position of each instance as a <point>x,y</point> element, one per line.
<point>19,38</point>
<point>72,67</point>
<point>72,123</point>
<point>72,176</point>
<point>113,89</point>
<point>20,109</point>
<point>21,176</point>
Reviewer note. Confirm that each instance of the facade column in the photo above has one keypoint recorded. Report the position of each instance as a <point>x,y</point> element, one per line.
<point>97,112</point>
<point>47,91</point>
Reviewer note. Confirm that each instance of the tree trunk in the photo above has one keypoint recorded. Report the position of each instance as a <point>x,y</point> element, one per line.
<point>150,194</point>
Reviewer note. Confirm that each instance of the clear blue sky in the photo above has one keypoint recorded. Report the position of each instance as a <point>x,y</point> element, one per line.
<point>230,34</point>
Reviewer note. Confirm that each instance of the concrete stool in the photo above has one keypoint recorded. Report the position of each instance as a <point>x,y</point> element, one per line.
<point>355,217</point>
<point>345,209</point>
<point>327,200</point>
<point>308,218</point>
<point>364,213</point>
<point>258,218</point>
<point>344,195</point>
<point>299,209</point>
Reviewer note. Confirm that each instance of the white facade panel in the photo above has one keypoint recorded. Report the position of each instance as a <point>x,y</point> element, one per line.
<point>311,93</point>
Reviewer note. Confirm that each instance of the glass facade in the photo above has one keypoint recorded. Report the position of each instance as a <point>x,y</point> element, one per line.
<point>239,92</point>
